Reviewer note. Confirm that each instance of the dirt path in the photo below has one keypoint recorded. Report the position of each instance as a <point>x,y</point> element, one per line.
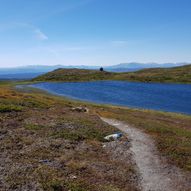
<point>155,174</point>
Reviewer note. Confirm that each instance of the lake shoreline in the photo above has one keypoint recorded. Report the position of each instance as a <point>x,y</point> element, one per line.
<point>67,98</point>
<point>45,125</point>
<point>85,97</point>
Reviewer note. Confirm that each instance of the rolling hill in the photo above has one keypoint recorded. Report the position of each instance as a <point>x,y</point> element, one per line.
<point>31,71</point>
<point>180,74</point>
<point>75,75</point>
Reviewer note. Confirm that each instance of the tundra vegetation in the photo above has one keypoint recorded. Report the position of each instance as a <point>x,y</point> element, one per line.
<point>180,74</point>
<point>46,145</point>
<point>171,132</point>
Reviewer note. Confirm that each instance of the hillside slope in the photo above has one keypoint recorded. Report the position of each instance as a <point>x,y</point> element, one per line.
<point>75,75</point>
<point>180,74</point>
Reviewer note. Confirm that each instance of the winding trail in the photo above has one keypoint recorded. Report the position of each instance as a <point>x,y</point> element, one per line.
<point>156,175</point>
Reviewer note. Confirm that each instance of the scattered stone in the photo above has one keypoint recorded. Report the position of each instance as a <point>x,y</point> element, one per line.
<point>44,161</point>
<point>80,109</point>
<point>73,177</point>
<point>54,164</point>
<point>113,137</point>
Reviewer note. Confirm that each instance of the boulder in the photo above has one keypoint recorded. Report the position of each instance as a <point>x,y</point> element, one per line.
<point>80,109</point>
<point>114,137</point>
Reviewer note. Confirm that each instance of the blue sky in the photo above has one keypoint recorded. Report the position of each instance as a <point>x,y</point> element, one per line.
<point>94,32</point>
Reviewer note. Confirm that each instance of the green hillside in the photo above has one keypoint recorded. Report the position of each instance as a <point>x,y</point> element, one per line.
<point>75,75</point>
<point>180,74</point>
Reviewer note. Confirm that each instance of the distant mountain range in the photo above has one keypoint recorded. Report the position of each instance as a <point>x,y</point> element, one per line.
<point>28,72</point>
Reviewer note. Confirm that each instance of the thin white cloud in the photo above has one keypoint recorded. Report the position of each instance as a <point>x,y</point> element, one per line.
<point>60,8</point>
<point>119,42</point>
<point>38,32</point>
<point>34,29</point>
<point>40,35</point>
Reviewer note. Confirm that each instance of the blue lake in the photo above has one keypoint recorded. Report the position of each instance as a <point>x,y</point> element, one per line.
<point>156,96</point>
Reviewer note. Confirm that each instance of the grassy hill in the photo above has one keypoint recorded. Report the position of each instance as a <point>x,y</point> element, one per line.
<point>180,74</point>
<point>75,75</point>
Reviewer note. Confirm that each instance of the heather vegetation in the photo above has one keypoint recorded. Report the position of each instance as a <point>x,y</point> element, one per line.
<point>47,145</point>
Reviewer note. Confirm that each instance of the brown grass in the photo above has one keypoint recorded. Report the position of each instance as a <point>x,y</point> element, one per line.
<point>45,145</point>
<point>172,132</point>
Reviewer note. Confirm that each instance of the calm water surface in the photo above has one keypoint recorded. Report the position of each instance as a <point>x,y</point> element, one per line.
<point>165,97</point>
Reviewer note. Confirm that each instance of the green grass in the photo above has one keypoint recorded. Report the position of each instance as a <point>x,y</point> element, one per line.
<point>180,74</point>
<point>72,75</point>
<point>33,127</point>
<point>86,129</point>
<point>171,75</point>
<point>9,108</point>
